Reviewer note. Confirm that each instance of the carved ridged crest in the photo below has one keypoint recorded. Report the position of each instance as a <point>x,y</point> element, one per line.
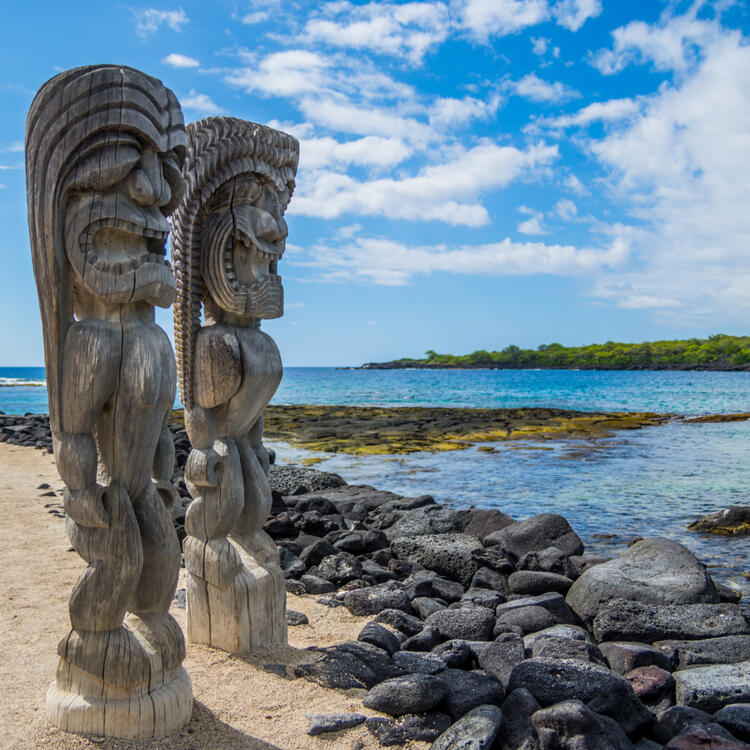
<point>218,149</point>
<point>70,115</point>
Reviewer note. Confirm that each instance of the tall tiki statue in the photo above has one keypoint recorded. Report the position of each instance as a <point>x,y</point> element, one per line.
<point>104,148</point>
<point>229,234</point>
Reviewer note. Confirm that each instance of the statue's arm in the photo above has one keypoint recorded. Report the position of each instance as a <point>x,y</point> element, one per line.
<point>217,376</point>
<point>89,378</point>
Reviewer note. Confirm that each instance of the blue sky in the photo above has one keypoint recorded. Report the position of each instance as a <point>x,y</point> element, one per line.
<point>473,173</point>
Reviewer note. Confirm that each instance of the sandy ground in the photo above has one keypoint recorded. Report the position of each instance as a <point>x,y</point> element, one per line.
<point>237,703</point>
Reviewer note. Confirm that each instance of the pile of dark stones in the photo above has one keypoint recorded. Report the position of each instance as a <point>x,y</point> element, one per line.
<point>487,632</point>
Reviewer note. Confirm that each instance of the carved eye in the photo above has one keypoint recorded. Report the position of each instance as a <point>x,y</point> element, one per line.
<point>248,192</point>
<point>105,166</point>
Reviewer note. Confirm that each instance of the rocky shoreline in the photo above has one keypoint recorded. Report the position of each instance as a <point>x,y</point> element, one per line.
<point>489,632</point>
<point>505,634</point>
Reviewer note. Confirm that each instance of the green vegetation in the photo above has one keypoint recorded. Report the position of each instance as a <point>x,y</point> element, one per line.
<point>718,352</point>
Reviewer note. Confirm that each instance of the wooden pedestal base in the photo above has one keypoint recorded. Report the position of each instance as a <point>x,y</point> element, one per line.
<point>237,608</point>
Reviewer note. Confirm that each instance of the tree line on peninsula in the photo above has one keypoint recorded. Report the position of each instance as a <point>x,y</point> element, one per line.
<point>717,352</point>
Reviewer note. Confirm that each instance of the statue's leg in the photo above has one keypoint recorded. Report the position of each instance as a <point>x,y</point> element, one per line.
<point>104,667</point>
<point>216,586</point>
<point>267,600</point>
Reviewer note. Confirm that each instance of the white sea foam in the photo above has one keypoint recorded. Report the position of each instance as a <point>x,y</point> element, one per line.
<point>18,382</point>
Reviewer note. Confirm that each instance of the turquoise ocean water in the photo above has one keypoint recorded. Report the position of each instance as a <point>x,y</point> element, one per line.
<point>637,483</point>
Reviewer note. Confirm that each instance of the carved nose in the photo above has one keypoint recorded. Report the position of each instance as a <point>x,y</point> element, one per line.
<point>146,184</point>
<point>267,227</point>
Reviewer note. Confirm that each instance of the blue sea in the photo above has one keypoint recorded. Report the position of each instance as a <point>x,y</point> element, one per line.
<point>646,482</point>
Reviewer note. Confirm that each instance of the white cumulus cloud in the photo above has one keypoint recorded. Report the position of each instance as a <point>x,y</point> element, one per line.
<point>180,61</point>
<point>201,103</point>
<point>149,20</point>
<point>538,90</point>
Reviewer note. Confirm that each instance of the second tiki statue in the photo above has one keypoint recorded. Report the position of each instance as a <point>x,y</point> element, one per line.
<point>228,236</point>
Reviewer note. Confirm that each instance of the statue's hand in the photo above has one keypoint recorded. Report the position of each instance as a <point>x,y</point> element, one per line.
<point>86,507</point>
<point>204,467</point>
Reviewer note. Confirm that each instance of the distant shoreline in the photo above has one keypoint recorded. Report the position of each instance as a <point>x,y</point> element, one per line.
<point>400,365</point>
<point>717,353</point>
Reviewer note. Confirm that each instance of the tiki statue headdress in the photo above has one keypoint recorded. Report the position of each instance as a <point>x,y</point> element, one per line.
<point>229,230</point>
<point>85,131</point>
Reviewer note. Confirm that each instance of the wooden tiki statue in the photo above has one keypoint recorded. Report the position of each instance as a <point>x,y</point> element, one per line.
<point>228,236</point>
<point>104,148</point>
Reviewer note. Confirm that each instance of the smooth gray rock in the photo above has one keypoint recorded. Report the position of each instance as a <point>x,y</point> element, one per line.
<point>736,718</point>
<point>378,572</point>
<point>468,623</point>
<point>407,624</point>
<point>551,681</point>
<point>296,618</point>
<point>729,649</point>
<point>538,582</point>
<point>377,635</point>
<point>425,640</point>
<point>574,632</point>
<point>537,533</point>
<point>624,620</point>
<point>483,598</point>
<point>323,723</point>
<point>646,744</point>
<point>552,601</point>
<point>474,731</point>
<point>530,619</point>
<point>486,578</point>
<point>338,670</point>
<point>424,606</point>
<point>315,552</point>
<point>481,523</point>
<point>467,690</point>
<point>674,720</point>
<point>316,584</point>
<point>374,599</point>
<point>550,560</point>
<point>557,647</point>
<point>451,555</point>
<point>418,661</point>
<point>516,730</point>
<point>571,725</point>
<point>430,519</point>
<point>712,687</point>
<point>456,654</point>
<point>624,656</point>
<point>499,657</point>
<point>653,571</point>
<point>413,693</point>
<point>422,727</point>
<point>581,563</point>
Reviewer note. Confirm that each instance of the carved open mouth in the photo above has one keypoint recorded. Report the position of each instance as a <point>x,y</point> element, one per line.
<point>118,245</point>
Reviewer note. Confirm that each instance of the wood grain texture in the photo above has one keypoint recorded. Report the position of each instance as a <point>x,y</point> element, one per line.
<point>229,233</point>
<point>103,149</point>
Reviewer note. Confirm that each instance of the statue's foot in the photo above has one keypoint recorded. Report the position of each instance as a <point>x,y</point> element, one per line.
<point>111,683</point>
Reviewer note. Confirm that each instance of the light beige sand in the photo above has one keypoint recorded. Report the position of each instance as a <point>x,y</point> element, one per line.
<point>237,703</point>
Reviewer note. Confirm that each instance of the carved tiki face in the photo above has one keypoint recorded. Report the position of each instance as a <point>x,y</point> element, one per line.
<point>244,238</point>
<point>124,180</point>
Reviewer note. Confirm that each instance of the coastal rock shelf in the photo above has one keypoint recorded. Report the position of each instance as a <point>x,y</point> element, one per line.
<point>373,430</point>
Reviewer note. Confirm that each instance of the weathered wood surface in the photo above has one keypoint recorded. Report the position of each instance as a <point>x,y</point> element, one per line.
<point>104,145</point>
<point>229,234</point>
